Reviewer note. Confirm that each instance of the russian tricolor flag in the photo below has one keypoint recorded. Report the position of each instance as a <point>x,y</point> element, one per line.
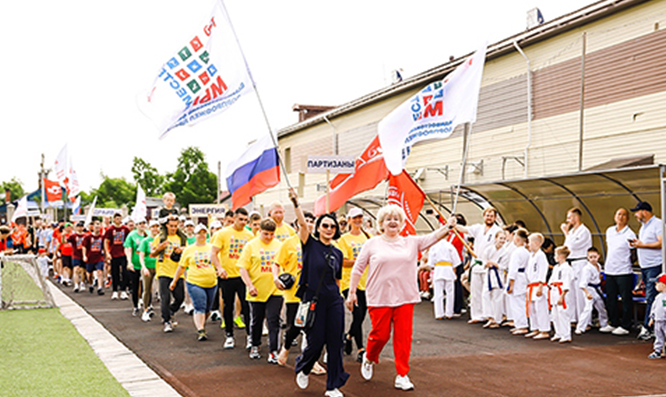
<point>253,172</point>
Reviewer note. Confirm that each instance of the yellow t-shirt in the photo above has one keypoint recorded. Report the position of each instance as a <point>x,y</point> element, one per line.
<point>164,266</point>
<point>231,242</point>
<point>257,258</point>
<point>200,271</point>
<point>290,259</point>
<point>283,232</point>
<point>350,246</point>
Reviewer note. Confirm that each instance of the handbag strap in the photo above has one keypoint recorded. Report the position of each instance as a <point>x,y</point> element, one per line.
<point>323,274</point>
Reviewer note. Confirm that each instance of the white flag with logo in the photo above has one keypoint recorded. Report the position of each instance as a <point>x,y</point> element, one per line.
<point>203,78</point>
<point>89,215</point>
<point>433,112</point>
<point>21,208</point>
<point>73,188</point>
<point>140,209</point>
<point>61,166</point>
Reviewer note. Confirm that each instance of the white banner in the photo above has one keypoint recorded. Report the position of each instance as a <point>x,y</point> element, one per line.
<point>432,113</point>
<point>203,210</point>
<point>140,209</point>
<point>61,166</point>
<point>202,79</point>
<point>335,164</point>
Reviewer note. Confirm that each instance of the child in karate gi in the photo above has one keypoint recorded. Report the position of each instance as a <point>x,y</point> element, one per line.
<point>443,258</point>
<point>495,259</point>
<point>518,283</point>
<point>658,317</point>
<point>559,285</point>
<point>537,300</point>
<point>590,283</point>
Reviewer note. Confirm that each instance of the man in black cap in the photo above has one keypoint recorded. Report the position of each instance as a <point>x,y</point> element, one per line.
<point>648,247</point>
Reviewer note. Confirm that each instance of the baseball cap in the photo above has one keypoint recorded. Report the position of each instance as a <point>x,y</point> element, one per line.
<point>661,278</point>
<point>354,212</point>
<point>189,223</point>
<point>199,228</point>
<point>642,205</point>
<point>216,224</point>
<point>153,222</point>
<point>80,223</point>
<point>182,218</point>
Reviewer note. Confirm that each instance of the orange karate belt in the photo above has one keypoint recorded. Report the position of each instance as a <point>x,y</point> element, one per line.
<point>530,287</point>
<point>557,284</point>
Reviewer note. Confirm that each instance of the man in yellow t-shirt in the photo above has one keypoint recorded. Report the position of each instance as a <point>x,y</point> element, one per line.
<point>282,230</point>
<point>265,299</point>
<point>350,244</point>
<point>165,269</point>
<point>228,244</point>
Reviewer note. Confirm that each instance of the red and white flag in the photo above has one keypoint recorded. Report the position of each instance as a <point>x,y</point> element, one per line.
<point>370,170</point>
<point>404,192</point>
<point>203,78</point>
<point>52,190</point>
<point>432,113</point>
<point>73,188</point>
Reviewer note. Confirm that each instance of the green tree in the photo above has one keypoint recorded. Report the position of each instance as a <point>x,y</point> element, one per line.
<point>148,177</point>
<point>192,182</point>
<point>15,188</point>
<point>113,193</point>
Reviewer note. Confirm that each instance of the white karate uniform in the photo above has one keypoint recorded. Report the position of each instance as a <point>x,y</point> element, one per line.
<point>443,258</point>
<point>589,278</point>
<point>509,247</point>
<point>658,314</point>
<point>482,239</point>
<point>561,280</point>
<point>494,282</point>
<point>578,241</point>
<point>537,269</point>
<point>517,265</point>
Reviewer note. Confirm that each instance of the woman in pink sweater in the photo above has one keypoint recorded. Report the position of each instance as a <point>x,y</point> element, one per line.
<point>391,290</point>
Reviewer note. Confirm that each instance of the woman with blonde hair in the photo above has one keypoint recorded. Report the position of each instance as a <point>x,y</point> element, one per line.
<point>391,289</point>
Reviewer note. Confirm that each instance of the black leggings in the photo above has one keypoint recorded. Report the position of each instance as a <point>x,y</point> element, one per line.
<point>119,273</point>
<point>135,281</point>
<point>358,315</point>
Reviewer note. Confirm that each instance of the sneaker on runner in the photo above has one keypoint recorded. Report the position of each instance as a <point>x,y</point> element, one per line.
<point>215,315</point>
<point>114,296</point>
<point>91,288</point>
<point>229,342</point>
<point>100,291</point>
<point>202,335</point>
<point>82,286</point>
<point>123,295</point>
<point>655,355</point>
<point>145,317</point>
<point>403,383</point>
<point>333,393</point>
<point>189,309</point>
<point>168,327</point>
<point>248,343</point>
<point>620,331</point>
<point>607,329</point>
<point>366,368</point>
<point>135,312</point>
<point>302,380</point>
<point>254,353</point>
<point>239,322</point>
<point>272,358</point>
<point>76,288</point>
<point>223,325</point>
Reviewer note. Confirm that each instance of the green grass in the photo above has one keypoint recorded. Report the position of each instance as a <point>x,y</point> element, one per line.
<point>42,354</point>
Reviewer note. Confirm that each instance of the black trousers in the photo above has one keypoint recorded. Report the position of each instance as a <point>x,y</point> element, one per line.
<point>135,285</point>
<point>168,306</point>
<point>230,288</point>
<point>292,331</point>
<point>620,285</point>
<point>269,310</point>
<point>358,315</point>
<point>458,291</point>
<point>119,274</point>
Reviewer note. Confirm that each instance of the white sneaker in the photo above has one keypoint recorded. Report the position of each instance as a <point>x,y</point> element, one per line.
<point>229,342</point>
<point>302,380</point>
<point>215,315</point>
<point>333,393</point>
<point>114,296</point>
<point>168,327</point>
<point>620,331</point>
<point>189,309</point>
<point>248,343</point>
<point>123,295</point>
<point>145,317</point>
<point>607,329</point>
<point>82,286</point>
<point>366,368</point>
<point>76,288</point>
<point>403,383</point>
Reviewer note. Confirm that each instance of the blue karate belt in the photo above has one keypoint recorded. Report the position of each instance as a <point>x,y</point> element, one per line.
<point>499,280</point>
<point>596,288</point>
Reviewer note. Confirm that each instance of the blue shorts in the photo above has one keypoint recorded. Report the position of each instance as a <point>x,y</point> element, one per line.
<point>74,261</point>
<point>91,267</point>
<point>202,298</point>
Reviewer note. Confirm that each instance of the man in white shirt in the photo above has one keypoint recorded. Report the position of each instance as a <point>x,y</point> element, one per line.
<point>578,239</point>
<point>619,276</point>
<point>648,247</point>
<point>484,236</point>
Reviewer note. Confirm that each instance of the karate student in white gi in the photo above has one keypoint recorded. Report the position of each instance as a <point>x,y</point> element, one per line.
<point>578,239</point>
<point>658,317</point>
<point>518,283</point>
<point>559,286</point>
<point>590,284</point>
<point>496,263</point>
<point>443,258</point>
<point>537,290</point>
<point>508,248</point>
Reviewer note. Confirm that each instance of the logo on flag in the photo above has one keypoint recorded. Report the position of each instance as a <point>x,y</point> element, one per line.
<point>52,190</point>
<point>203,78</point>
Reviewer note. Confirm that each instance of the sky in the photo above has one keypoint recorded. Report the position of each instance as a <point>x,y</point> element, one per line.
<point>72,69</point>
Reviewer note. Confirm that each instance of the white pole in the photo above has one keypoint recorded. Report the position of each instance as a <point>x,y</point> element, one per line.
<point>466,133</point>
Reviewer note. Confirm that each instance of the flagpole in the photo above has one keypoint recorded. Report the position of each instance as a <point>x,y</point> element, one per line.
<point>466,133</point>
<point>261,104</point>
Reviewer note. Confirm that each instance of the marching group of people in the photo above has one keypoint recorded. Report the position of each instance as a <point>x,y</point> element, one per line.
<point>265,274</point>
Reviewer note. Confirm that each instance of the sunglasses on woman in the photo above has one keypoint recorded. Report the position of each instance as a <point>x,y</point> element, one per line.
<point>328,226</point>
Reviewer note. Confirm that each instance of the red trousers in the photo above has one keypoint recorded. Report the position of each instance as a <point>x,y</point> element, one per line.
<point>402,318</point>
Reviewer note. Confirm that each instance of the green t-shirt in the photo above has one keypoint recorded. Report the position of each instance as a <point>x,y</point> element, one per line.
<point>145,248</point>
<point>191,240</point>
<point>132,241</point>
